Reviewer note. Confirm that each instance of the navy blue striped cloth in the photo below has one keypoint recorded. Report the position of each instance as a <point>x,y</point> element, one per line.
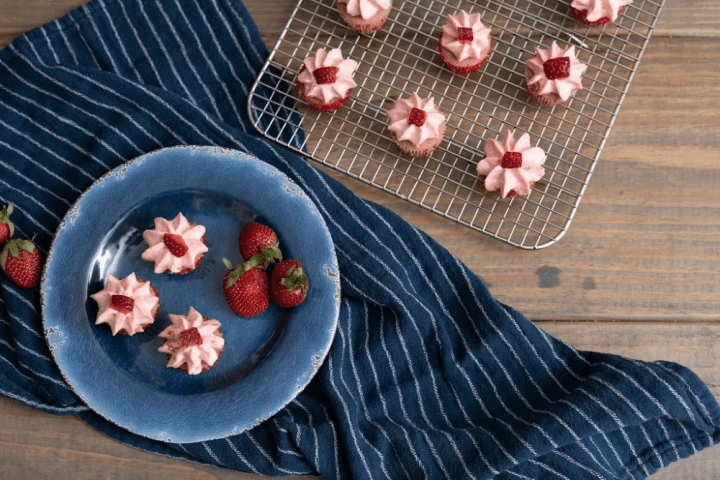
<point>429,377</point>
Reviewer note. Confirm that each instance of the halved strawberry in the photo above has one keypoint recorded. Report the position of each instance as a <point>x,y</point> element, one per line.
<point>288,283</point>
<point>246,287</point>
<point>190,337</point>
<point>20,260</point>
<point>326,75</point>
<point>122,303</point>
<point>417,117</point>
<point>6,226</point>
<point>557,68</point>
<point>258,239</point>
<point>175,244</point>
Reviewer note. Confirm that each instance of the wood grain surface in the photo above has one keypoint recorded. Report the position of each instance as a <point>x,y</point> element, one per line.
<point>637,274</point>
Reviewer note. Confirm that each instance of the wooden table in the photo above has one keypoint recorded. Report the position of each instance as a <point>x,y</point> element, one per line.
<point>637,274</point>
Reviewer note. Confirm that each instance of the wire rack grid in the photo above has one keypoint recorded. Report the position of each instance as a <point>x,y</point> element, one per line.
<point>402,57</point>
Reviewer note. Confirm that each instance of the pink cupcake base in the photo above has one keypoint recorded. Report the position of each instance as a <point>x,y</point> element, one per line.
<point>363,26</point>
<point>466,66</point>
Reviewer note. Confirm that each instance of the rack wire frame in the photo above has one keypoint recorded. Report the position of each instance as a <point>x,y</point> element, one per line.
<point>402,57</point>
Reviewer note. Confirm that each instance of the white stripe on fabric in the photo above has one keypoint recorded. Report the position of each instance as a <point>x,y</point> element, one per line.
<point>312,428</point>
<point>119,41</point>
<point>241,457</point>
<point>379,393</point>
<point>361,397</point>
<point>211,453</point>
<point>53,134</point>
<point>269,458</point>
<point>40,167</point>
<point>61,30</point>
<point>147,58</point>
<point>189,97</point>
<point>40,406</point>
<point>329,363</point>
<point>335,442</point>
<point>100,37</point>
<point>546,467</point>
<point>189,64</point>
<point>50,46</point>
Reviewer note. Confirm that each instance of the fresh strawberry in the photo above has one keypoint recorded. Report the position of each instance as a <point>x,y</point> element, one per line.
<point>417,117</point>
<point>326,75</point>
<point>20,260</point>
<point>6,226</point>
<point>288,283</point>
<point>557,68</point>
<point>246,287</point>
<point>259,239</point>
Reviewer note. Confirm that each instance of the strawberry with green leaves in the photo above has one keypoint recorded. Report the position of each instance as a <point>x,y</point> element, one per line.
<point>6,226</point>
<point>20,260</point>
<point>288,283</point>
<point>258,239</point>
<point>246,287</point>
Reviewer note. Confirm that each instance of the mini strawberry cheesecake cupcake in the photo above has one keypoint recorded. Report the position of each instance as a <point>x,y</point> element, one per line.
<point>128,305</point>
<point>554,74</point>
<point>176,246</point>
<point>416,125</point>
<point>193,342</point>
<point>465,42</point>
<point>596,13</point>
<point>325,80</point>
<point>364,16</point>
<point>511,167</point>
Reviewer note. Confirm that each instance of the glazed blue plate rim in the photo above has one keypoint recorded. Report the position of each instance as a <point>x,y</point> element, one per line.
<point>89,358</point>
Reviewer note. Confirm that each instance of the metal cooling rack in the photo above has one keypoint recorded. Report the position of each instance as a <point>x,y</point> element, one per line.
<point>402,57</point>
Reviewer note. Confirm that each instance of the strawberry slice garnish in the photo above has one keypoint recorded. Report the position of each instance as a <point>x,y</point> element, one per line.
<point>417,117</point>
<point>464,35</point>
<point>175,244</point>
<point>326,75</point>
<point>511,160</point>
<point>190,337</point>
<point>557,68</point>
<point>122,303</point>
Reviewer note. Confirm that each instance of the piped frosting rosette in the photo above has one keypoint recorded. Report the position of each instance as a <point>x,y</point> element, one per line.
<point>465,36</point>
<point>366,9</point>
<point>327,76</point>
<point>595,10</point>
<point>176,246</point>
<point>555,70</point>
<point>128,305</point>
<point>406,124</point>
<point>511,167</point>
<point>192,341</point>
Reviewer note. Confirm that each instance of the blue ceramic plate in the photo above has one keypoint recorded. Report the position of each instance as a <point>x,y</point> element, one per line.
<point>267,359</point>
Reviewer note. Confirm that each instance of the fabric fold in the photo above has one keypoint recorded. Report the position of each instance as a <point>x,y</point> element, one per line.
<point>428,377</point>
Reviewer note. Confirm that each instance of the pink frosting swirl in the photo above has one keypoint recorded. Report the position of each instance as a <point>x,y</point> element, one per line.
<point>404,130</point>
<point>481,36</point>
<point>366,8</point>
<point>597,9</point>
<point>327,92</point>
<point>563,87</point>
<point>144,307</point>
<point>192,340</point>
<point>519,176</point>
<point>159,253</point>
